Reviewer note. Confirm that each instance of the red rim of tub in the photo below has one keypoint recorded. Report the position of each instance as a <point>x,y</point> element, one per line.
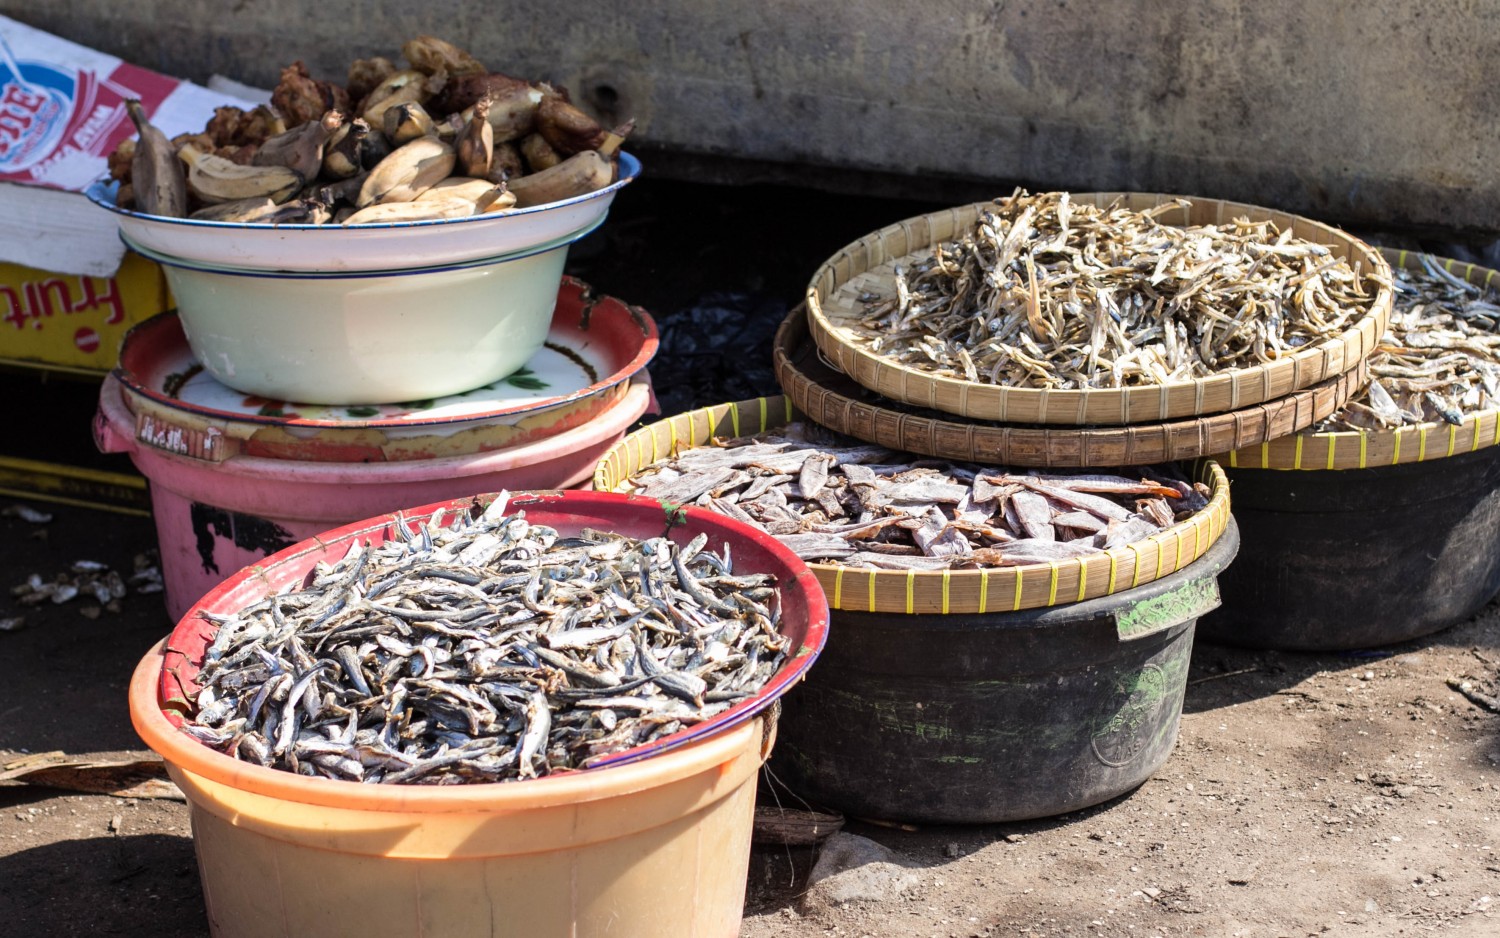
<point>171,680</point>
<point>113,434</point>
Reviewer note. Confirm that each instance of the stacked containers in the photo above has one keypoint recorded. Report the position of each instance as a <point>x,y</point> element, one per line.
<point>237,477</point>
<point>260,413</point>
<point>204,404</point>
<point>370,313</point>
<point>1004,694</point>
<point>1367,537</point>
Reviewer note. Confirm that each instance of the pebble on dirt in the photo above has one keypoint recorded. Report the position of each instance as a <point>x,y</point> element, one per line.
<point>852,868</point>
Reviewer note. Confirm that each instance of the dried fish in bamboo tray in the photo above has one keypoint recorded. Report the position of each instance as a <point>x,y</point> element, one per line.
<point>893,532</point>
<point>1434,388</point>
<point>835,401</point>
<point>1102,309</point>
<point>486,649</point>
<point>1440,359</point>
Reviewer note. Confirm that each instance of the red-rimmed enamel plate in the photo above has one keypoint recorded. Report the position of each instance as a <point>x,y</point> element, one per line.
<point>595,346</point>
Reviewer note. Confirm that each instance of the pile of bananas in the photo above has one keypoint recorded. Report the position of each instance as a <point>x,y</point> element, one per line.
<point>443,138</point>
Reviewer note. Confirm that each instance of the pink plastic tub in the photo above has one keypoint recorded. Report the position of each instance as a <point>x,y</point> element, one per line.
<point>212,518</point>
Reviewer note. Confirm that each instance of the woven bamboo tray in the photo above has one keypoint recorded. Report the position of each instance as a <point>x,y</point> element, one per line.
<point>835,401</point>
<point>1363,449</point>
<point>866,266</point>
<point>1000,589</point>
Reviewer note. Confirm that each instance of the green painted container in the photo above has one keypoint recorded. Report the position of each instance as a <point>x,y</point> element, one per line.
<point>1008,716</point>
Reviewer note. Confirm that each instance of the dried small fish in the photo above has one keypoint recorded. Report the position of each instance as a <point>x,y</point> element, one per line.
<point>1045,293</point>
<point>88,578</point>
<point>871,507</point>
<point>26,513</point>
<point>1439,360</point>
<point>487,649</point>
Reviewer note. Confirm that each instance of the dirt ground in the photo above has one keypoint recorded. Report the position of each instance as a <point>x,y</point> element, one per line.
<point>1308,795</point>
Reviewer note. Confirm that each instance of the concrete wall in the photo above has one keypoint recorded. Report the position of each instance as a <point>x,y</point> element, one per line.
<point>1374,112</point>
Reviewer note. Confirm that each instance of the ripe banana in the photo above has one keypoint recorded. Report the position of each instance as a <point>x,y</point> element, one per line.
<point>406,122</point>
<point>430,210</point>
<point>214,179</point>
<point>497,199</point>
<point>568,129</point>
<point>539,153</point>
<point>341,155</point>
<point>512,112</point>
<point>477,145</point>
<point>156,177</point>
<point>301,148</point>
<point>403,86</point>
<point>244,211</point>
<point>407,172</point>
<point>459,187</point>
<point>576,175</point>
<point>462,91</point>
<point>486,196</point>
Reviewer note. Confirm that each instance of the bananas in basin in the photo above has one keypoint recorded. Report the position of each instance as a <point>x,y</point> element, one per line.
<point>442,138</point>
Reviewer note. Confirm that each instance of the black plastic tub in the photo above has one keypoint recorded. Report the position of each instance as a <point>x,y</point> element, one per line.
<point>997,717</point>
<point>1344,559</point>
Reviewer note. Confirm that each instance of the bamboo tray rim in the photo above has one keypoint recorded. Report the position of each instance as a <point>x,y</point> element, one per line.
<point>1338,450</point>
<point>986,590</point>
<point>1308,365</point>
<point>1088,440</point>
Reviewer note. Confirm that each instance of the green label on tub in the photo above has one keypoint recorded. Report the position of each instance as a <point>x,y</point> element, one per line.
<point>1188,601</point>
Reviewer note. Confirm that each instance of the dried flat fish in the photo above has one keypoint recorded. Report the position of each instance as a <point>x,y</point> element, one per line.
<point>886,561</point>
<point>814,546</point>
<point>488,649</point>
<point>1035,514</point>
<point>1439,360</point>
<point>1079,521</point>
<point>1043,292</point>
<point>813,475</point>
<point>1034,552</point>
<point>871,507</point>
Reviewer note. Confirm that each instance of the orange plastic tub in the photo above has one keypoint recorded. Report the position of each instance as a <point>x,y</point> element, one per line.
<point>655,846</point>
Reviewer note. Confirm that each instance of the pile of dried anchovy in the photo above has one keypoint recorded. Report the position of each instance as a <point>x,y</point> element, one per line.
<point>488,650</point>
<point>1047,293</point>
<point>831,500</point>
<point>1439,360</point>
